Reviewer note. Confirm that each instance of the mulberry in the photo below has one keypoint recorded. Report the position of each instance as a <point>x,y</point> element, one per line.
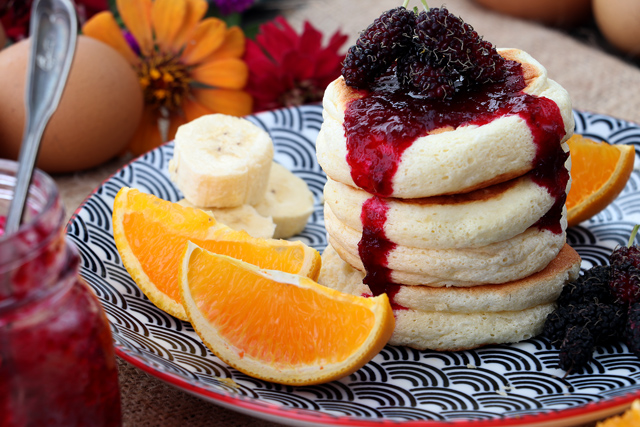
<point>632,330</point>
<point>415,73</point>
<point>625,272</point>
<point>456,46</point>
<point>592,286</point>
<point>605,321</point>
<point>576,349</point>
<point>378,47</point>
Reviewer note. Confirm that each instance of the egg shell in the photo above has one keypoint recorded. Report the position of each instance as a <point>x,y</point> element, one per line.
<point>619,23</point>
<point>561,13</point>
<point>99,111</point>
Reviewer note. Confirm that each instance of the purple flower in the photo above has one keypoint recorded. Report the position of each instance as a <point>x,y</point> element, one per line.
<point>228,7</point>
<point>131,41</point>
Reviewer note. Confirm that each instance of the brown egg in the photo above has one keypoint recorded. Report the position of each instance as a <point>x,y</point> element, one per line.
<point>98,113</point>
<point>564,13</point>
<point>619,22</point>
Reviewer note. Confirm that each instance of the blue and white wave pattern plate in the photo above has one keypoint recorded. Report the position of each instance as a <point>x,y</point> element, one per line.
<point>495,383</point>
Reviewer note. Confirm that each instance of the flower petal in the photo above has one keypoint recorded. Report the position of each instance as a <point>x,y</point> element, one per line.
<point>167,17</point>
<point>136,15</point>
<point>193,109</point>
<point>147,136</point>
<point>232,47</point>
<point>328,64</point>
<point>225,101</point>
<point>229,73</point>
<point>277,38</point>
<point>255,57</point>
<point>336,41</point>
<point>298,67</point>
<point>310,40</point>
<point>104,27</point>
<point>195,10</point>
<point>329,60</point>
<point>174,123</point>
<point>207,37</point>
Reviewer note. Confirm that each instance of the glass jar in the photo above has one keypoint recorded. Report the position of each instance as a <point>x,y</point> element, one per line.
<point>57,363</point>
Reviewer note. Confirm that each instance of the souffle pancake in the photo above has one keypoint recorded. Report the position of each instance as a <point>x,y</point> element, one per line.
<point>449,157</point>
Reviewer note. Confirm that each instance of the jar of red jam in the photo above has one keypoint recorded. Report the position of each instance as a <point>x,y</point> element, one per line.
<point>57,363</point>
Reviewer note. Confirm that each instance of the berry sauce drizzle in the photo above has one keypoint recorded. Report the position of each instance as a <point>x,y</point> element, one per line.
<point>374,248</point>
<point>382,124</point>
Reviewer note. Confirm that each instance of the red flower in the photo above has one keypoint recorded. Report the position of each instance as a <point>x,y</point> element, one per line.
<point>15,15</point>
<point>287,69</point>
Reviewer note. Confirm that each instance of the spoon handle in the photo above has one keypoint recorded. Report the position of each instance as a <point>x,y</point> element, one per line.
<point>53,43</point>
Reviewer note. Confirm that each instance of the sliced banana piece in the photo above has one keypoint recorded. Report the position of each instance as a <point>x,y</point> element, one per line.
<point>221,161</point>
<point>244,217</point>
<point>288,201</point>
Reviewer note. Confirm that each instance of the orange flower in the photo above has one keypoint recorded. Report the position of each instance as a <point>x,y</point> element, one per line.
<point>187,67</point>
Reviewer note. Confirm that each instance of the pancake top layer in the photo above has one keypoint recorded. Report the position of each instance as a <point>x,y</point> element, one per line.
<point>443,159</point>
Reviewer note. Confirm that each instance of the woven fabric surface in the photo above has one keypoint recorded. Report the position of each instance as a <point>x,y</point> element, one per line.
<point>597,81</point>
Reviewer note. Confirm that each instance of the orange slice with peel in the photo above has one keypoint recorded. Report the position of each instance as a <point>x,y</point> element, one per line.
<point>599,173</point>
<point>150,234</point>
<point>277,326</point>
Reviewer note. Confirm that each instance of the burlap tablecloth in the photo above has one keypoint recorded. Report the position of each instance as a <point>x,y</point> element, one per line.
<point>597,81</point>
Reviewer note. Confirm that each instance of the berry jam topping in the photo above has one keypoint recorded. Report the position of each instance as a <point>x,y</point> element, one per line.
<point>374,247</point>
<point>434,53</point>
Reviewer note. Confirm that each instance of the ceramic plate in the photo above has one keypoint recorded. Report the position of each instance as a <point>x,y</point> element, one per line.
<point>499,385</point>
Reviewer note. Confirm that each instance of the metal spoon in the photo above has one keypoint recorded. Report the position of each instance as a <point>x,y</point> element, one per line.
<point>53,43</point>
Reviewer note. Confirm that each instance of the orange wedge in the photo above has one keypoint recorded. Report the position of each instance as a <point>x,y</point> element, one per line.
<point>631,418</point>
<point>599,172</point>
<point>277,326</point>
<point>151,233</point>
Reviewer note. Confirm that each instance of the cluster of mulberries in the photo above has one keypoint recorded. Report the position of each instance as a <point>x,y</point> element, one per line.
<point>601,306</point>
<point>586,316</point>
<point>434,53</point>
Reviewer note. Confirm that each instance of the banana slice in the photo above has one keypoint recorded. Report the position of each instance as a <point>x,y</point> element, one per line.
<point>243,217</point>
<point>288,201</point>
<point>221,161</point>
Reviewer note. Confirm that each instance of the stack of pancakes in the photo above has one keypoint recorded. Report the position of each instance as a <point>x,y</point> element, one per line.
<point>470,263</point>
